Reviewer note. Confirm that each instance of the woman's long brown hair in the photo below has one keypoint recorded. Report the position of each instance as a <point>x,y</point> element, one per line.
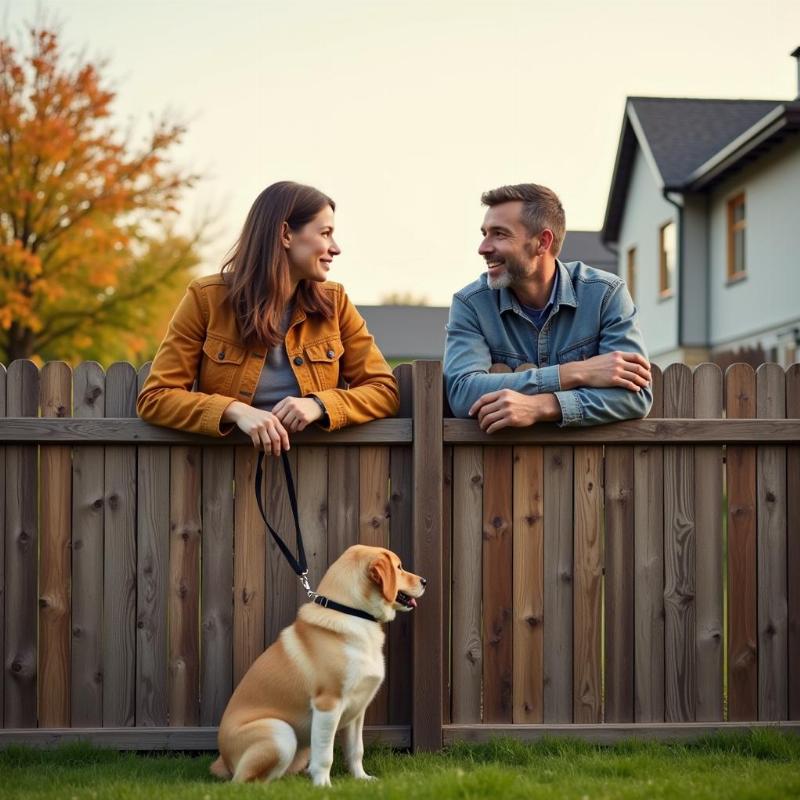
<point>258,284</point>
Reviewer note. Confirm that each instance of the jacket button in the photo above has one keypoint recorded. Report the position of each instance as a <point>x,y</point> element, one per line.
<point>221,354</point>
<point>330,353</point>
<point>298,361</point>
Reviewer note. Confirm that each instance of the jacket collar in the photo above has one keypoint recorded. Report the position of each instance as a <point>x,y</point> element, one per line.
<point>565,293</point>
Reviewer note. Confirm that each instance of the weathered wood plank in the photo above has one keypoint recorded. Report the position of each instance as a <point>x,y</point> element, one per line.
<point>184,591</point>
<point>498,552</point>
<point>641,431</point>
<point>528,632</point>
<point>21,546</point>
<point>88,512</point>
<point>740,402</point>
<point>793,543</point>
<point>136,431</point>
<point>401,640</point>
<point>558,582</point>
<point>771,552</point>
<point>3,376</point>
<point>249,565</point>
<point>648,479</point>
<point>587,699</point>
<point>679,556</point>
<point>428,469</point>
<point>467,582</point>
<point>216,594</point>
<point>152,581</point>
<point>55,556</point>
<point>708,509</point>
<point>119,558</point>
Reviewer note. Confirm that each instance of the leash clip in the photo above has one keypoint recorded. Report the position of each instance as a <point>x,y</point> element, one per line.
<point>304,580</point>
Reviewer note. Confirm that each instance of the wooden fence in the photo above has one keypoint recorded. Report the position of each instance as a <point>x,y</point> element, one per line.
<point>643,576</point>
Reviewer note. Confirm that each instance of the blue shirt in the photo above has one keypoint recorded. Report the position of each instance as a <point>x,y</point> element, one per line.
<point>538,315</point>
<point>592,313</point>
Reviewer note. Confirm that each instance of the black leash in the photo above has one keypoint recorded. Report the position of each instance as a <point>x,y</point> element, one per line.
<point>299,564</point>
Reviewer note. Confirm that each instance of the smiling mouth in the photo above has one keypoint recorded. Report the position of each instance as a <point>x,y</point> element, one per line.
<point>406,601</point>
<point>494,264</point>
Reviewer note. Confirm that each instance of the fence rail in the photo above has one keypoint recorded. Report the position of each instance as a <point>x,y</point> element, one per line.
<point>643,574</point>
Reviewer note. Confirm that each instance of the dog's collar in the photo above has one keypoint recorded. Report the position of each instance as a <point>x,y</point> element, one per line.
<point>326,602</point>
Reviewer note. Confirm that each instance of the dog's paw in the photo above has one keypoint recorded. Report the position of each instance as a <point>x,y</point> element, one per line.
<point>364,777</point>
<point>321,779</point>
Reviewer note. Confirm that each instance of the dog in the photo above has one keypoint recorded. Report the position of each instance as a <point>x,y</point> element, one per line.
<point>318,677</point>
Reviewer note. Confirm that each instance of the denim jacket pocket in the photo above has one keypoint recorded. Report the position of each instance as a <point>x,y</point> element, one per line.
<point>324,358</point>
<point>221,363</point>
<point>579,351</point>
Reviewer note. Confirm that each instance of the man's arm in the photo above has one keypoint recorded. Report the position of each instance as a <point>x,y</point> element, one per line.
<point>467,360</point>
<point>619,334</point>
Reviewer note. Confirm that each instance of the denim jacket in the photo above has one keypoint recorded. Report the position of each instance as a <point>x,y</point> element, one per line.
<point>593,313</point>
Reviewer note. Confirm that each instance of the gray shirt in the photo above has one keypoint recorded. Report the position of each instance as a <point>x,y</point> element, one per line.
<point>277,379</point>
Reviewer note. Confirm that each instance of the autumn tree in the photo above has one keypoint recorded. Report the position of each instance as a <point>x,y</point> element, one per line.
<point>90,263</point>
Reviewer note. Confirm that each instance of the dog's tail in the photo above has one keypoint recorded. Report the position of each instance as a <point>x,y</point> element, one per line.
<point>219,769</point>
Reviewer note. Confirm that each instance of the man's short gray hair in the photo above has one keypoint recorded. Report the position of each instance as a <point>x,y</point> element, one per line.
<point>541,209</point>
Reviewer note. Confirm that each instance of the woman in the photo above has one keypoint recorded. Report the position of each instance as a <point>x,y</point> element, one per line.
<point>268,340</point>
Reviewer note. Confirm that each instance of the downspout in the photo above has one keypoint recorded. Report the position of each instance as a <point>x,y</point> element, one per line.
<point>678,295</point>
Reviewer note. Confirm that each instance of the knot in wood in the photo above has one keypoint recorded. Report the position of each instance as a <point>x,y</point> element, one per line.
<point>16,666</point>
<point>770,497</point>
<point>97,504</point>
<point>23,537</point>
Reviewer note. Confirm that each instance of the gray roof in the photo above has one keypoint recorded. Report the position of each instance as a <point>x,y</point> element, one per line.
<point>407,331</point>
<point>587,246</point>
<point>692,142</point>
<point>683,134</point>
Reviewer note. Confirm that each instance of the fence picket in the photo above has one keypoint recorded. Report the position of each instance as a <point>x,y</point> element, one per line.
<point>558,581</point>
<point>3,487</point>
<point>88,512</point>
<point>119,558</point>
<point>708,510</point>
<point>740,471</point>
<point>648,513</point>
<point>793,543</point>
<point>679,556</point>
<point>771,551</point>
<point>54,556</point>
<point>152,576</point>
<point>588,609</point>
<point>21,546</point>
<point>528,638</point>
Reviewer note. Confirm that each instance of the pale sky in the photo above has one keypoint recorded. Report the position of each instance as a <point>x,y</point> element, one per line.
<point>405,111</point>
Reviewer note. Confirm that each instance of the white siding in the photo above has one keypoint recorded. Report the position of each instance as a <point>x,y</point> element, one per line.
<point>645,212</point>
<point>770,295</point>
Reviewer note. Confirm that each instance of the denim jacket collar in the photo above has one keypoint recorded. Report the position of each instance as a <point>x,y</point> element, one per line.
<point>565,294</point>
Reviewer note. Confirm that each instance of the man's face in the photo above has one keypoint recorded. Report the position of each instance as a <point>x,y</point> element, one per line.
<point>507,247</point>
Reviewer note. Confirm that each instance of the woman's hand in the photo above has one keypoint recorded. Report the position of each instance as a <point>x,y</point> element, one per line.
<point>264,427</point>
<point>297,413</point>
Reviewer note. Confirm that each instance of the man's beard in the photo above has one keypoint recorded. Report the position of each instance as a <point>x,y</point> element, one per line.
<point>511,273</point>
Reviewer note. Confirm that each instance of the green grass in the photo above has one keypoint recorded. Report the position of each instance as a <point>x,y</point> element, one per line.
<point>762,764</point>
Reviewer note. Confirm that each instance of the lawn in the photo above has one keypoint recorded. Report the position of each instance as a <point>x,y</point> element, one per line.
<point>762,764</point>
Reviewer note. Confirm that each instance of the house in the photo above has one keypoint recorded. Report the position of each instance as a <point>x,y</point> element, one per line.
<point>588,246</point>
<point>704,213</point>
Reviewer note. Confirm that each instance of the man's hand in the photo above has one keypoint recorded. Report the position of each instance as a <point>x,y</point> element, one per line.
<point>297,413</point>
<point>263,427</point>
<point>626,370</point>
<point>509,409</point>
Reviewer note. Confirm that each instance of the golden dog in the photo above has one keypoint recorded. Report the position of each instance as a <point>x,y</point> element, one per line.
<point>318,677</point>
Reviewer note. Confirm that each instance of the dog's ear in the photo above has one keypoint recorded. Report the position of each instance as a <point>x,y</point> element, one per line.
<point>383,573</point>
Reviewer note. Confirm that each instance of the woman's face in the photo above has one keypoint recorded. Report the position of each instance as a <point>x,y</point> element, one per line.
<point>311,248</point>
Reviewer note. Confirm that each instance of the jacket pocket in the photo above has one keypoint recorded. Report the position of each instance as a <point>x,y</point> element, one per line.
<point>324,358</point>
<point>221,363</point>
<point>511,360</point>
<point>579,351</point>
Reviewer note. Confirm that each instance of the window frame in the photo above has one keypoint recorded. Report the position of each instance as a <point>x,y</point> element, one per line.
<point>665,291</point>
<point>630,274</point>
<point>734,226</point>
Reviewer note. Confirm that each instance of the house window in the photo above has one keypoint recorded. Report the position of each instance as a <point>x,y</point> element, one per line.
<point>667,247</point>
<point>737,224</point>
<point>631,274</point>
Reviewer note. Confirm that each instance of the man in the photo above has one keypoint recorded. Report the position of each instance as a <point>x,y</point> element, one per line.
<point>572,329</point>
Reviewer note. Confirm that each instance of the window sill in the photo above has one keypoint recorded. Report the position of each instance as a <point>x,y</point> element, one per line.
<point>737,277</point>
<point>668,295</point>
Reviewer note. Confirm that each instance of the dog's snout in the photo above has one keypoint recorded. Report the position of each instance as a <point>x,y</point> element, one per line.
<point>423,581</point>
